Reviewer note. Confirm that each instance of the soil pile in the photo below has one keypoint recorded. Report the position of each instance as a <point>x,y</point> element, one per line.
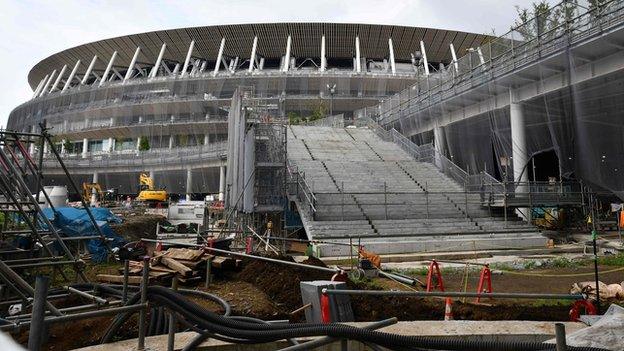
<point>281,282</point>
<point>136,227</point>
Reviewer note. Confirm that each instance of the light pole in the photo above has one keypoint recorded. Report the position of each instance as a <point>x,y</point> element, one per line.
<point>332,90</point>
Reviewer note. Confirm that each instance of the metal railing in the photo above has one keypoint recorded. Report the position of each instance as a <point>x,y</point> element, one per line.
<point>298,186</point>
<point>164,156</point>
<point>501,56</point>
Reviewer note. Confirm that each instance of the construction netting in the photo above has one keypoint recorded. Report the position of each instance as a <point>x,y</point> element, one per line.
<point>563,71</point>
<point>166,124</point>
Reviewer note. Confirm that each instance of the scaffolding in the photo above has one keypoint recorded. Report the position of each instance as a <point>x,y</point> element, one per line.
<point>28,238</point>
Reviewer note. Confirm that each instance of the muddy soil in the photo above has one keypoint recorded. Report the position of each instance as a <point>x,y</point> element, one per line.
<point>281,282</point>
<point>135,227</point>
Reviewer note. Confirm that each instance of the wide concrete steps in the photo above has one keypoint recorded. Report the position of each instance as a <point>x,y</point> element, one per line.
<point>372,190</point>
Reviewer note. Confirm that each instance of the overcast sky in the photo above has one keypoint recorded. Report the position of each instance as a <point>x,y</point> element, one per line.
<point>32,30</point>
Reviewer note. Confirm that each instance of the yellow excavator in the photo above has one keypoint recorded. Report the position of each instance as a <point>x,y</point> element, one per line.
<point>147,192</point>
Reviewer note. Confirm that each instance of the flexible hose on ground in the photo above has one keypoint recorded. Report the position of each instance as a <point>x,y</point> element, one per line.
<point>260,333</point>
<point>246,331</point>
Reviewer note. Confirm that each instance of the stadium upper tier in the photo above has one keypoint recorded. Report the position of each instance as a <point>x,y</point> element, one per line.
<point>168,92</point>
<point>309,42</point>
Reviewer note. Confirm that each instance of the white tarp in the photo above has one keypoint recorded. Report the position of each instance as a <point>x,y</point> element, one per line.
<point>606,333</point>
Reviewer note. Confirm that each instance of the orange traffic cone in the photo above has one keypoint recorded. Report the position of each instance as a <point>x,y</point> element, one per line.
<point>448,309</point>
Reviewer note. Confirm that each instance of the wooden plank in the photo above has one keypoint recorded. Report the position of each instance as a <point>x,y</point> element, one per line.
<point>176,266</point>
<point>184,254</point>
<point>110,278</point>
<point>223,262</point>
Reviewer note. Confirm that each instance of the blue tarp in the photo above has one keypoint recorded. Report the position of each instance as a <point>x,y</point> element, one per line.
<point>76,222</point>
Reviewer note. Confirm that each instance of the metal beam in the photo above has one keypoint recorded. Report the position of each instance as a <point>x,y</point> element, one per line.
<point>252,59</point>
<point>188,58</point>
<point>286,65</point>
<point>424,55</point>
<point>358,62</point>
<point>88,71</point>
<point>40,86</point>
<point>108,68</point>
<point>323,58</point>
<point>45,86</point>
<point>132,63</point>
<point>58,79</point>
<point>219,57</point>
<point>392,63</point>
<point>154,71</point>
<point>454,55</point>
<point>72,74</point>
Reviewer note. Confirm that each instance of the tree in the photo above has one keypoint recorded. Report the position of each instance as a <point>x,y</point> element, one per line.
<point>318,111</point>
<point>293,118</point>
<point>144,144</point>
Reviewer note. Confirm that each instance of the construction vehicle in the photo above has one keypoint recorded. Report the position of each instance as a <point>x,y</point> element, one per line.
<point>147,192</point>
<point>92,193</point>
<point>89,189</point>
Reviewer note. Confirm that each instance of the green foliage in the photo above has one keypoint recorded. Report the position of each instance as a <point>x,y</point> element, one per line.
<point>67,145</point>
<point>612,260</point>
<point>144,144</point>
<point>541,18</point>
<point>318,110</point>
<point>294,118</point>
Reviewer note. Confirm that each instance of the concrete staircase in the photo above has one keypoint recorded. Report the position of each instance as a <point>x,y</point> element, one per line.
<point>372,191</point>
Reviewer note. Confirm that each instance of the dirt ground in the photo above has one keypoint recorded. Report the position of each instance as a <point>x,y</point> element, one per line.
<point>271,291</point>
<point>136,227</point>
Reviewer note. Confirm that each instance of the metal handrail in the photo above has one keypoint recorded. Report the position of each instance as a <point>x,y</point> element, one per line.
<point>504,62</point>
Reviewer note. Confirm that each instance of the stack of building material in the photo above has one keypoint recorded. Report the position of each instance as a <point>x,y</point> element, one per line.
<point>187,264</point>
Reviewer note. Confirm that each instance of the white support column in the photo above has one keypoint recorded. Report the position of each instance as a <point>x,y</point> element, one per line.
<point>152,174</point>
<point>221,183</point>
<point>287,56</point>
<point>392,63</point>
<point>58,79</point>
<point>188,58</point>
<point>31,147</point>
<point>72,74</point>
<point>108,68</point>
<point>439,139</point>
<point>424,57</point>
<point>171,141</point>
<point>358,60</point>
<point>45,148</point>
<point>518,140</point>
<point>95,177</point>
<point>519,149</point>
<point>176,69</point>
<point>189,184</point>
<point>47,84</point>
<point>111,145</point>
<point>206,139</point>
<point>480,53</point>
<point>219,57</point>
<point>132,63</point>
<point>85,147</point>
<point>63,142</point>
<point>454,56</point>
<point>40,86</point>
<point>138,144</point>
<point>154,71</point>
<point>323,58</point>
<point>88,71</point>
<point>252,59</point>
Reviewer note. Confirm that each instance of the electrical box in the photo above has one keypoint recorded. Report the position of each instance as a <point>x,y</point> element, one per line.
<point>339,305</point>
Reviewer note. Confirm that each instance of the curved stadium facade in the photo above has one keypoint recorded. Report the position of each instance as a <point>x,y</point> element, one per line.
<point>158,102</point>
